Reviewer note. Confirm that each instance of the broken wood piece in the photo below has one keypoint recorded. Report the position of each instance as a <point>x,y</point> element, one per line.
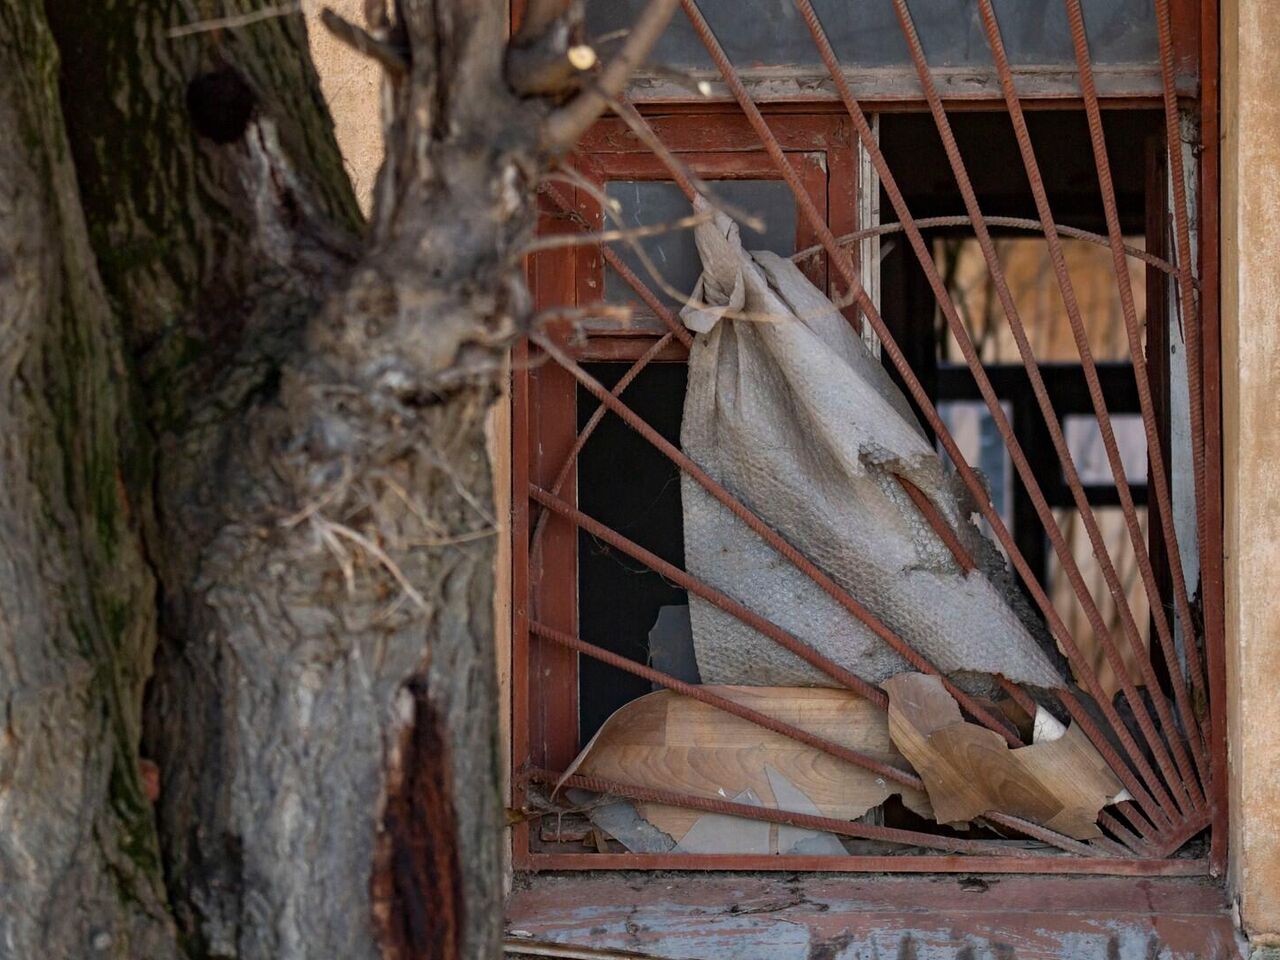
<point>676,743</point>
<point>969,771</point>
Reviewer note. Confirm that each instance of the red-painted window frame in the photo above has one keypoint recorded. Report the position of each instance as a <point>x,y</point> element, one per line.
<point>720,144</point>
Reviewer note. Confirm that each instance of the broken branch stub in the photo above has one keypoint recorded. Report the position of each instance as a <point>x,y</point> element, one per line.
<point>970,771</point>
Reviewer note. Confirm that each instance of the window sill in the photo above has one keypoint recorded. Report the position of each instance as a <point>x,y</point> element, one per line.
<point>747,916</point>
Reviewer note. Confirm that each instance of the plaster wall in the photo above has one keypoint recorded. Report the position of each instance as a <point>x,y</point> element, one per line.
<point>1250,209</point>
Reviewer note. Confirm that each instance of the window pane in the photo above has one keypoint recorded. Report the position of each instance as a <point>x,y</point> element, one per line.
<point>674,255</point>
<point>867,34</point>
<point>1115,535</point>
<point>1084,440</point>
<point>1033,285</point>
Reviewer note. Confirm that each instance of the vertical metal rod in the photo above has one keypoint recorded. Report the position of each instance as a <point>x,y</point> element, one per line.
<point>1167,807</point>
<point>1190,315</point>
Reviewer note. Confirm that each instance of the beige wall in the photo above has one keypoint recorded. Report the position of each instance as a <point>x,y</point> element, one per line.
<point>352,86</point>
<point>1251,441</point>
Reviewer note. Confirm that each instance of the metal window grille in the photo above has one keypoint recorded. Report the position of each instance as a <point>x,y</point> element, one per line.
<point>1170,755</point>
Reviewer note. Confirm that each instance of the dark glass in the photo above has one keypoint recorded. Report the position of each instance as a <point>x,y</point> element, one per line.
<point>649,202</point>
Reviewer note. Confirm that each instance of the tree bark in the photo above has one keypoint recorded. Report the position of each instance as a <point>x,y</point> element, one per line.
<point>79,863</point>
<point>244,456</point>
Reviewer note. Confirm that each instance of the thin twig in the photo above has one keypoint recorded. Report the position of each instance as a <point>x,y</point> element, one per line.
<point>466,537</point>
<point>555,241</point>
<point>414,507</point>
<point>688,181</point>
<point>239,20</point>
<point>684,79</point>
<point>611,209</point>
<point>621,313</point>
<point>327,526</point>
<point>335,491</point>
<point>563,128</point>
<point>571,176</point>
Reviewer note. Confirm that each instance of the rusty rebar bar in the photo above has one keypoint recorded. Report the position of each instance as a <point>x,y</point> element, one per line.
<point>843,263</point>
<point>702,694</point>
<point>1158,480</point>
<point>1070,473</point>
<point>846,828</point>
<point>713,596</point>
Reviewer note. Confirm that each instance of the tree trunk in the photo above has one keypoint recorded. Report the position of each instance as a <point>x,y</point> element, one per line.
<point>79,865</point>
<point>322,711</point>
<point>246,527</point>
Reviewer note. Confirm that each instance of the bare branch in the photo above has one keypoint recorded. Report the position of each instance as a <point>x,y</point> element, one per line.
<point>684,177</point>
<point>359,40</point>
<point>241,20</point>
<point>563,128</point>
<point>555,241</point>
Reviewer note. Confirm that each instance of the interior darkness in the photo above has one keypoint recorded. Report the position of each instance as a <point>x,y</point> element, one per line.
<point>624,482</point>
<point>627,484</point>
<point>1063,151</point>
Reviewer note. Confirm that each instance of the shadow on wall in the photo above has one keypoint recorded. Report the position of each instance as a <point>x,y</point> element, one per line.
<point>351,85</point>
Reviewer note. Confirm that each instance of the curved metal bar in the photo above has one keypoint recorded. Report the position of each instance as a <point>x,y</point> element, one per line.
<point>1186,290</point>
<point>1012,223</point>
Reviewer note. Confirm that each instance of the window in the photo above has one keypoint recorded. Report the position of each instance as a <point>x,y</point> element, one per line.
<point>575,466</point>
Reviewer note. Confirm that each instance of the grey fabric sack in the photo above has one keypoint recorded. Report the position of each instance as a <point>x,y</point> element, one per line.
<point>788,409</point>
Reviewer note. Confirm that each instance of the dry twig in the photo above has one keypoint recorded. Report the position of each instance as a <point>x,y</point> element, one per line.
<point>239,20</point>
<point>563,128</point>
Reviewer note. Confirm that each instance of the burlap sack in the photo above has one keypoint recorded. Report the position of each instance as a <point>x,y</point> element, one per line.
<point>789,410</point>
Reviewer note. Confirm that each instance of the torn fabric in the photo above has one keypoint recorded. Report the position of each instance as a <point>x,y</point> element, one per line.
<point>788,409</point>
